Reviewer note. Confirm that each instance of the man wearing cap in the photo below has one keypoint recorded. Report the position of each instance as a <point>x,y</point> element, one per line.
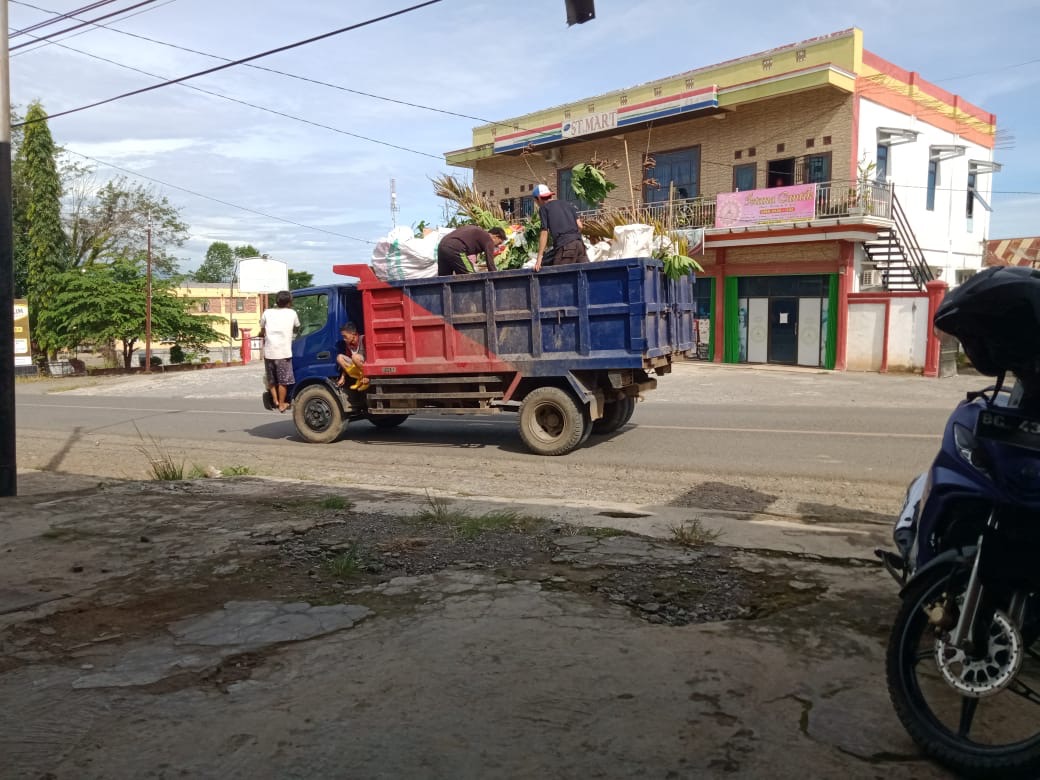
<point>560,220</point>
<point>454,250</point>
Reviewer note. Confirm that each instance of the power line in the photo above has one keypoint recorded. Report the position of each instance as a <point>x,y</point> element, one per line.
<point>296,76</point>
<point>58,18</point>
<point>215,200</point>
<point>84,32</point>
<point>985,72</point>
<point>243,60</point>
<point>82,24</point>
<point>251,105</point>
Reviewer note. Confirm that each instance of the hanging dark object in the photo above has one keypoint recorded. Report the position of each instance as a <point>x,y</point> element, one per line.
<point>580,11</point>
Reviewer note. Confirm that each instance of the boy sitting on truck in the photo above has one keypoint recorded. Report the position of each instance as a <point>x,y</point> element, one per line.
<point>351,357</point>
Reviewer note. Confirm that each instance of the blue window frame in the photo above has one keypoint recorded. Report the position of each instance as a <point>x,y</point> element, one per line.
<point>745,177</point>
<point>933,181</point>
<point>881,170</point>
<point>818,168</point>
<point>681,168</point>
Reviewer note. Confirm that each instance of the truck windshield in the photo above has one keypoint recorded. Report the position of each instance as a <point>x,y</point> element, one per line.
<point>313,311</point>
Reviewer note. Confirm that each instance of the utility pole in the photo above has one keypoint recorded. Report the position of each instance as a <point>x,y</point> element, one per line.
<point>8,462</point>
<point>148,305</point>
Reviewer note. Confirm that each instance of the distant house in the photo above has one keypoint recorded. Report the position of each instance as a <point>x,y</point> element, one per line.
<point>1013,251</point>
<point>221,301</point>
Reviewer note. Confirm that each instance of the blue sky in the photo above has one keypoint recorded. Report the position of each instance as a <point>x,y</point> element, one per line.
<point>488,60</point>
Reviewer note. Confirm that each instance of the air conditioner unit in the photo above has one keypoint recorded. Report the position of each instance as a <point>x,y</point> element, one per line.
<point>871,278</point>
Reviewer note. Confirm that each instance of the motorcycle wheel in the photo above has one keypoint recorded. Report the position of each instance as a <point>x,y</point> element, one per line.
<point>994,731</point>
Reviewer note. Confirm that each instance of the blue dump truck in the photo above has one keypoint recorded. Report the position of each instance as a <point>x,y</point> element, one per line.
<point>569,349</point>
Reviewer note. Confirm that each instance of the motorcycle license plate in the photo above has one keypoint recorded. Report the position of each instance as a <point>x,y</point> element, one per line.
<point>1010,428</point>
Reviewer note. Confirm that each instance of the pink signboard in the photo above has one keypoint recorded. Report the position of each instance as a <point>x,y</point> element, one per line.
<point>762,207</point>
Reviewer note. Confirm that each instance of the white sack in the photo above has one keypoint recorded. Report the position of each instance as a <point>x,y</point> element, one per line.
<point>400,255</point>
<point>633,241</point>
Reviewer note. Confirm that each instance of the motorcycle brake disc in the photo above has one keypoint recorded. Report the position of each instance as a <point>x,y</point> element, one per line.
<point>978,677</point>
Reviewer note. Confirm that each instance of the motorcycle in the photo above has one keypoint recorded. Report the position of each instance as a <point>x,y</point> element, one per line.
<point>963,663</point>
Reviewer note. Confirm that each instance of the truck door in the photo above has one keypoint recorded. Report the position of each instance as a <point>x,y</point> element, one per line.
<point>322,310</point>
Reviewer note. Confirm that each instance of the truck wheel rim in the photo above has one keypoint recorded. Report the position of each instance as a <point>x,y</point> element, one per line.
<point>549,421</point>
<point>318,414</point>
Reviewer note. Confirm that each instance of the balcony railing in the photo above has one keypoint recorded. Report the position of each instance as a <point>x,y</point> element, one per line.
<point>833,199</point>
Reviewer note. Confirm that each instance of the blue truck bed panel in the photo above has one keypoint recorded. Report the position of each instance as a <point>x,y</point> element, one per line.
<point>612,314</point>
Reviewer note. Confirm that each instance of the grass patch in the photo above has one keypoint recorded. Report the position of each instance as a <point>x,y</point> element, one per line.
<point>161,463</point>
<point>335,503</point>
<point>463,524</point>
<point>236,471</point>
<point>694,534</point>
<point>600,532</point>
<point>346,565</point>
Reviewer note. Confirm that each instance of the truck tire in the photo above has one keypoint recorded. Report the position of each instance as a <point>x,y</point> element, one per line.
<point>317,414</point>
<point>551,422</point>
<point>615,414</point>
<point>386,420</point>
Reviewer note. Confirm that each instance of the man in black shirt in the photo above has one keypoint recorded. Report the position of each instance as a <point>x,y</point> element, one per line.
<point>455,248</point>
<point>560,220</point>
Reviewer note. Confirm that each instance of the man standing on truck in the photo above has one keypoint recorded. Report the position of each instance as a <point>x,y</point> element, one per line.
<point>455,248</point>
<point>560,220</point>
<point>277,327</point>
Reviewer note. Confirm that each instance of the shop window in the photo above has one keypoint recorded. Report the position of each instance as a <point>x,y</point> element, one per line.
<point>881,169</point>
<point>745,177</point>
<point>933,182</point>
<point>678,171</point>
<point>818,168</point>
<point>564,190</point>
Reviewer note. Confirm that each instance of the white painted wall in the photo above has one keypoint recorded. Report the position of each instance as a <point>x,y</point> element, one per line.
<point>945,235</point>
<point>907,334</point>
<point>866,336</point>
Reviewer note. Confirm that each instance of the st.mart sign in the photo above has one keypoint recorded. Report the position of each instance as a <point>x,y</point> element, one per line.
<point>593,123</point>
<point>22,351</point>
<point>763,207</point>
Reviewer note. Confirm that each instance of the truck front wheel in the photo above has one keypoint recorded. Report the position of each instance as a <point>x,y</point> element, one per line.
<point>551,422</point>
<point>615,414</point>
<point>317,414</point>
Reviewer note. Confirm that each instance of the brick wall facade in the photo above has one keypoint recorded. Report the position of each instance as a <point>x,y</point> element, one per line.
<point>771,129</point>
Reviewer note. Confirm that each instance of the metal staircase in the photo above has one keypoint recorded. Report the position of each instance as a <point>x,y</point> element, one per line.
<point>897,256</point>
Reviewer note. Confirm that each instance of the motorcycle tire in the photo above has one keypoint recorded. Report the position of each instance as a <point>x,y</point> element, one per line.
<point>934,713</point>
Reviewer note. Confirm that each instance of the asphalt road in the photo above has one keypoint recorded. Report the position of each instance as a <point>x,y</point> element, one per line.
<point>705,419</point>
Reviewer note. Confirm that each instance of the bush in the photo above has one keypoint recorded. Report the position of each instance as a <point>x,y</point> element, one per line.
<point>176,354</point>
<point>204,359</point>
<point>156,360</point>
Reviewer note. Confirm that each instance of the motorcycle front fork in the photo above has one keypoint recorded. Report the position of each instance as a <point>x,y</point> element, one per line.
<point>971,633</point>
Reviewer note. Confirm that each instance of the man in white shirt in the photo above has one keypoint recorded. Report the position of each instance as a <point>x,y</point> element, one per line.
<point>277,327</point>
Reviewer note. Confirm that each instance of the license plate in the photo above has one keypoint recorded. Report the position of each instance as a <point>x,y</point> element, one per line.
<point>1010,428</point>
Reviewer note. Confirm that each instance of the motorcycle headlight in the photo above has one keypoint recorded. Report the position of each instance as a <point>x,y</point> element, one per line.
<point>968,447</point>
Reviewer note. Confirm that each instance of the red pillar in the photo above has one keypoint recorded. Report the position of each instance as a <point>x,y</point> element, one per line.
<point>720,305</point>
<point>936,292</point>
<point>247,345</point>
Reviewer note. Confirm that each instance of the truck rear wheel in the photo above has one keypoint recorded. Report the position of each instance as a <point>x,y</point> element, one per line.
<point>386,420</point>
<point>615,414</point>
<point>551,422</point>
<point>317,414</point>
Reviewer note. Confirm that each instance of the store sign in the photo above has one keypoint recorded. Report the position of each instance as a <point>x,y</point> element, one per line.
<point>593,123</point>
<point>764,207</point>
<point>22,350</point>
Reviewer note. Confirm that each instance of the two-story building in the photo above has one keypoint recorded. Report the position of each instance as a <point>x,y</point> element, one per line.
<point>228,304</point>
<point>831,186</point>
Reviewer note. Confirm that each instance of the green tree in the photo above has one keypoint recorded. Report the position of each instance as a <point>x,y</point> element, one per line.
<point>218,265</point>
<point>113,223</point>
<point>247,250</point>
<point>300,279</point>
<point>41,246</point>
<point>103,303</point>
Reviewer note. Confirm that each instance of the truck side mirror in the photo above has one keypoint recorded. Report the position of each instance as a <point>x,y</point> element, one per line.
<point>234,328</point>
